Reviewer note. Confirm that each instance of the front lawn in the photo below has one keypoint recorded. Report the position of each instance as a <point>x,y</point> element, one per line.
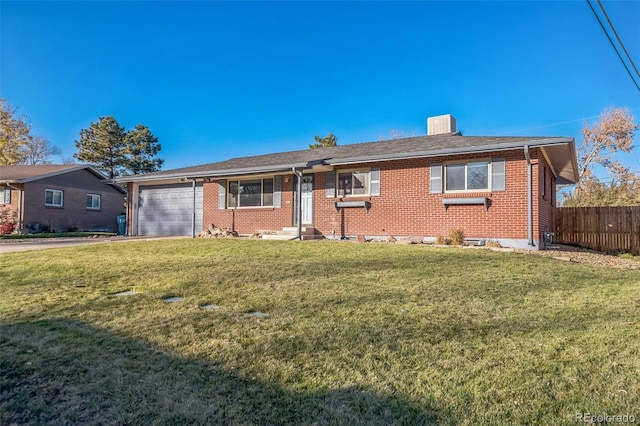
<point>356,334</point>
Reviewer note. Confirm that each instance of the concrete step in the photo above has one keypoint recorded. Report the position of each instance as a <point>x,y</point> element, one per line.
<point>294,230</point>
<point>291,233</point>
<point>279,237</point>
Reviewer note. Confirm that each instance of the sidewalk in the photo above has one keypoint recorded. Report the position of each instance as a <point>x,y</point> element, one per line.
<point>14,246</point>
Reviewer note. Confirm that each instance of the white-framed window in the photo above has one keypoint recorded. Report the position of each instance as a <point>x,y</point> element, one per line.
<point>5,196</point>
<point>353,182</point>
<point>93,202</point>
<point>53,198</point>
<point>250,193</point>
<point>470,176</point>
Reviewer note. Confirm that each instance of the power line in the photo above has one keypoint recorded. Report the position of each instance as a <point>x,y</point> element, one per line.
<point>618,37</point>
<point>613,45</point>
<point>557,124</point>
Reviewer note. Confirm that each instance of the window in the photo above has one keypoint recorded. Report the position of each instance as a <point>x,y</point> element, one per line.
<point>53,198</point>
<point>93,202</point>
<point>5,196</point>
<point>250,193</point>
<point>471,176</point>
<point>353,182</point>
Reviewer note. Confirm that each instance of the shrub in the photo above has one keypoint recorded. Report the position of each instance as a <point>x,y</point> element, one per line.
<point>493,244</point>
<point>7,228</point>
<point>443,241</point>
<point>456,236</point>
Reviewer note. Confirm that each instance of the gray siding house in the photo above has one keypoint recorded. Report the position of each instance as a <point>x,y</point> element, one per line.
<point>61,197</point>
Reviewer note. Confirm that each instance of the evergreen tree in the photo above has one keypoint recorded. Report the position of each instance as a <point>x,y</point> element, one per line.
<point>141,149</point>
<point>329,140</point>
<point>102,145</point>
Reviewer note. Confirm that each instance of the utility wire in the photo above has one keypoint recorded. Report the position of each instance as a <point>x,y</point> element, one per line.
<point>618,37</point>
<point>555,124</point>
<point>613,45</point>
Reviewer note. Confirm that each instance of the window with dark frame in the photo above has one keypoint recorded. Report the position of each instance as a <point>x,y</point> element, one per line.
<point>468,176</point>
<point>353,183</point>
<point>250,193</point>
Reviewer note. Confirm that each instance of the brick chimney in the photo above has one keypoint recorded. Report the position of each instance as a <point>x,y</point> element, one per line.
<point>441,124</point>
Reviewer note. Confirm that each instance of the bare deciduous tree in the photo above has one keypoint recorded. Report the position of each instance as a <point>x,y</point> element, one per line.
<point>397,134</point>
<point>613,134</point>
<point>38,150</point>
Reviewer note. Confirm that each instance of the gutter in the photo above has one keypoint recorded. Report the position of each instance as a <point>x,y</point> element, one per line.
<point>529,195</point>
<point>213,173</point>
<point>20,192</point>
<point>298,203</point>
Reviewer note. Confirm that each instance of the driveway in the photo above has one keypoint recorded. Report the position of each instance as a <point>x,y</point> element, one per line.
<point>13,246</point>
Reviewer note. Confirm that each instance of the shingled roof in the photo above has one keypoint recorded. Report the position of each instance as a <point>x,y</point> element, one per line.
<point>414,147</point>
<point>23,173</point>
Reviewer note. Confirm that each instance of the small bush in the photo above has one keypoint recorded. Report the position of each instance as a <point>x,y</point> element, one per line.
<point>457,237</point>
<point>7,228</point>
<point>492,244</point>
<point>443,241</point>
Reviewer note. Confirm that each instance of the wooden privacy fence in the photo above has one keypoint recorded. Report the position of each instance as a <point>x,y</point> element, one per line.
<point>608,229</point>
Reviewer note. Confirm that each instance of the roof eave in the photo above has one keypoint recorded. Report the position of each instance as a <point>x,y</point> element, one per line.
<point>212,173</point>
<point>450,151</point>
<point>60,172</point>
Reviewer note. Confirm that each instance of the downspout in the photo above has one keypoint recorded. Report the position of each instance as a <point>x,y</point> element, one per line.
<point>298,203</point>
<point>529,197</point>
<point>20,191</point>
<point>193,210</point>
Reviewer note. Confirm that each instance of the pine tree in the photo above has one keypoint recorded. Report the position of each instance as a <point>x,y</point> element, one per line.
<point>329,140</point>
<point>103,146</point>
<point>141,148</point>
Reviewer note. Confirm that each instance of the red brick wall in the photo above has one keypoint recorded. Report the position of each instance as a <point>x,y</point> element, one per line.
<point>9,211</point>
<point>405,206</point>
<point>546,199</point>
<point>249,220</point>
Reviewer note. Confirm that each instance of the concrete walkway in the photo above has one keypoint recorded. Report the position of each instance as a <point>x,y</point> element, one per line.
<point>13,246</point>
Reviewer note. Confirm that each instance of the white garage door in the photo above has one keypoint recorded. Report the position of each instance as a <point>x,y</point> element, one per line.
<point>168,209</point>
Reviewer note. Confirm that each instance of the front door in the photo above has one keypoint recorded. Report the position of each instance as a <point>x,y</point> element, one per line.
<point>307,199</point>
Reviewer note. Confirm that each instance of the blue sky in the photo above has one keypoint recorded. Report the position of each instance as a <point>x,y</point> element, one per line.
<point>215,80</point>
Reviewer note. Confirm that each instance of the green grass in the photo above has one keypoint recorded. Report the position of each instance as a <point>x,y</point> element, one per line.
<point>56,235</point>
<point>357,334</point>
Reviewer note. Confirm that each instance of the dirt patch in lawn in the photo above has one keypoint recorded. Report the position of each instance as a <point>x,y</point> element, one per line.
<point>586,256</point>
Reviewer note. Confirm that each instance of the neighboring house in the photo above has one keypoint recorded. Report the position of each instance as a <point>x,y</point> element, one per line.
<point>62,197</point>
<point>493,188</point>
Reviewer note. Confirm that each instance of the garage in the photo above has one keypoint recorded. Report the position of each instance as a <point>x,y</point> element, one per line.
<point>168,209</point>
